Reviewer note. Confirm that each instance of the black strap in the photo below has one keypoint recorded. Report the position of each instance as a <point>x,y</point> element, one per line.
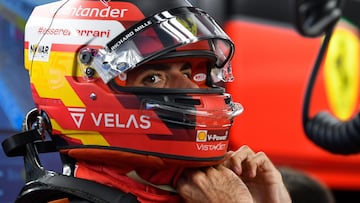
<point>15,145</point>
<point>47,186</point>
<point>55,186</point>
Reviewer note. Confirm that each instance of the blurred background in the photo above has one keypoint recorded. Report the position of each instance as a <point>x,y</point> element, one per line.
<point>271,65</point>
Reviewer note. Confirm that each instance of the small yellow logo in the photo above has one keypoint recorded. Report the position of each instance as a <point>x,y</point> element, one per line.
<point>201,135</point>
<point>341,72</point>
<point>189,24</point>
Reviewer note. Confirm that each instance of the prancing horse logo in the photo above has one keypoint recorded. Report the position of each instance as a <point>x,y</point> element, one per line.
<point>189,23</point>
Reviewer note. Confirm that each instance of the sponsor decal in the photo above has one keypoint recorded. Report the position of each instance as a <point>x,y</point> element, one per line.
<point>200,77</point>
<point>65,32</point>
<point>208,136</point>
<point>109,120</point>
<point>53,31</point>
<point>211,147</point>
<point>39,52</point>
<point>94,33</point>
<point>112,120</point>
<point>203,136</point>
<point>80,32</point>
<point>128,34</point>
<point>92,12</point>
<point>77,114</point>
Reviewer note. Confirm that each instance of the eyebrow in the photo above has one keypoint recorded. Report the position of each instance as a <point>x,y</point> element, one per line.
<point>186,66</point>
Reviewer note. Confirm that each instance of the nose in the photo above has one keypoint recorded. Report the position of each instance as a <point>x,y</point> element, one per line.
<point>179,80</point>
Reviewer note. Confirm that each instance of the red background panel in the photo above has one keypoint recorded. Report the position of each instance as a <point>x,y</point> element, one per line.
<point>271,66</point>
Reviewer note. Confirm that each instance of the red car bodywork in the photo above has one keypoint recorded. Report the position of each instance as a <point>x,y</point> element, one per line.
<point>271,66</point>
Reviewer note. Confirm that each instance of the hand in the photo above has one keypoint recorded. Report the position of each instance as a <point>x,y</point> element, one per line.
<point>245,176</point>
<point>212,185</point>
<point>259,174</point>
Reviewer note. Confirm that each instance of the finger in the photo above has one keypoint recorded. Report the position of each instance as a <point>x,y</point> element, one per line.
<point>261,166</point>
<point>227,161</point>
<point>198,177</point>
<point>186,187</point>
<point>237,158</point>
<point>228,154</point>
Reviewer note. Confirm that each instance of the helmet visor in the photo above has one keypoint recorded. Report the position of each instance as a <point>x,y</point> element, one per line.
<point>158,35</point>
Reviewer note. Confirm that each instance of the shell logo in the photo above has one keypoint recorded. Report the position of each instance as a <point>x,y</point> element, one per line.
<point>341,71</point>
<point>201,135</point>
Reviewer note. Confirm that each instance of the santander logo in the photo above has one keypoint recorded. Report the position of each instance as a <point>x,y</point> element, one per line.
<point>81,11</point>
<point>102,9</point>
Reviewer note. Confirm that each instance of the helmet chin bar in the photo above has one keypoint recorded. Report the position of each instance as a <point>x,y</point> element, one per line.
<point>181,111</point>
<point>178,106</point>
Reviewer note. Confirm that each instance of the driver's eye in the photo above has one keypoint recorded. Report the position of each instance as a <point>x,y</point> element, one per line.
<point>154,79</point>
<point>151,79</point>
<point>186,70</point>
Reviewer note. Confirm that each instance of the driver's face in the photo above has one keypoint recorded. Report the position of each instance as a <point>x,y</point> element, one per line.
<point>162,75</point>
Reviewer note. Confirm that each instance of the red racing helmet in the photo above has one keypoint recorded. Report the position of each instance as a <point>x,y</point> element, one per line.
<point>78,54</point>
